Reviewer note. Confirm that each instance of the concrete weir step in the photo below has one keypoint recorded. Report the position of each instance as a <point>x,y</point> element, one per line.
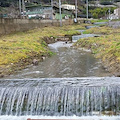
<point>60,119</point>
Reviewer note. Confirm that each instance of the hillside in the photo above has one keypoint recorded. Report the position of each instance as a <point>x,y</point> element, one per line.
<point>11,7</point>
<point>7,3</point>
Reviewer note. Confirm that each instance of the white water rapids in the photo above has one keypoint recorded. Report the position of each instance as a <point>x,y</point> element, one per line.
<point>60,96</point>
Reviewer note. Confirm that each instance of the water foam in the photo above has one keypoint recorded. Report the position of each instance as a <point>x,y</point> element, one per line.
<point>60,117</point>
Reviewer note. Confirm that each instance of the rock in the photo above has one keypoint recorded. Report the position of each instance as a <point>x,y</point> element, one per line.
<point>43,58</point>
<point>37,72</point>
<point>117,74</point>
<point>55,39</point>
<point>1,76</point>
<point>35,62</point>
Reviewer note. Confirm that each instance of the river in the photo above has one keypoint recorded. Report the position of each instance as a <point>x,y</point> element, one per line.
<point>72,84</point>
<point>68,62</point>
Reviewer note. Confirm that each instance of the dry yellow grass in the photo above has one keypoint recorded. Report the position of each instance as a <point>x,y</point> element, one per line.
<point>22,45</point>
<point>106,47</point>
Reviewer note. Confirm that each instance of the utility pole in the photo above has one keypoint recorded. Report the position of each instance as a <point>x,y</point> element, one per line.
<point>109,13</point>
<point>87,9</point>
<point>20,6</point>
<point>23,6</point>
<point>60,12</point>
<point>76,9</point>
<point>52,9</point>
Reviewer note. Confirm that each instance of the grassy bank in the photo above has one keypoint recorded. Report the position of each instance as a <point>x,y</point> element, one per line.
<point>98,20</point>
<point>18,50</point>
<point>106,47</point>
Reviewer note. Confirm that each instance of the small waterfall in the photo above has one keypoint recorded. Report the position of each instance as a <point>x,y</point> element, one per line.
<point>60,96</point>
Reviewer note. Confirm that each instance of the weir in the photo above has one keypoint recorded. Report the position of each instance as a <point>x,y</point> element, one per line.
<point>60,96</point>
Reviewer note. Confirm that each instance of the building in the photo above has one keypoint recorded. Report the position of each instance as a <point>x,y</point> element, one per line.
<point>117,12</point>
<point>66,14</point>
<point>115,15</point>
<point>47,12</point>
<point>68,7</point>
<point>38,11</point>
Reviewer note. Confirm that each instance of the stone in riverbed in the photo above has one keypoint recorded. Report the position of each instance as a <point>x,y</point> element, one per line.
<point>43,58</point>
<point>117,74</point>
<point>1,75</point>
<point>35,62</point>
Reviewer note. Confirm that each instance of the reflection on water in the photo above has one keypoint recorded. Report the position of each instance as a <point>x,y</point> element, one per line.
<point>68,62</point>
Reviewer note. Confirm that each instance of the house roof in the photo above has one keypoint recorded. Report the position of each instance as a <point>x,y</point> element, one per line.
<point>67,5</point>
<point>38,5</point>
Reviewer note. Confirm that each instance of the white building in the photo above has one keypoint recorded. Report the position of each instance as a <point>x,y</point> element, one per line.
<point>115,15</point>
<point>68,7</point>
<point>116,12</point>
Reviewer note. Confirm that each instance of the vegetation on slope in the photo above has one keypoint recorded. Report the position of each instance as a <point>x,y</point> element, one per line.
<point>101,12</point>
<point>106,47</point>
<point>98,20</point>
<point>23,46</point>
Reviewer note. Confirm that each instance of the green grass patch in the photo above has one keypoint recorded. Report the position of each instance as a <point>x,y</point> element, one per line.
<point>98,20</point>
<point>22,45</point>
<point>101,30</point>
<point>106,47</point>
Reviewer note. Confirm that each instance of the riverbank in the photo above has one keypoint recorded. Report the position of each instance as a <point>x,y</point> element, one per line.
<point>106,47</point>
<point>23,48</point>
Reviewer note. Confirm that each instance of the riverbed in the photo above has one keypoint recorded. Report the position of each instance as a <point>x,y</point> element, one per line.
<point>71,84</point>
<point>67,62</point>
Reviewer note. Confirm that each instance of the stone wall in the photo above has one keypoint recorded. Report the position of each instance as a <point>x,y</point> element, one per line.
<point>15,25</point>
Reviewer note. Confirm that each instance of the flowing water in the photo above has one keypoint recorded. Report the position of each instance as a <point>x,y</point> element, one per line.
<point>68,62</point>
<point>60,96</point>
<point>71,84</point>
<point>47,97</point>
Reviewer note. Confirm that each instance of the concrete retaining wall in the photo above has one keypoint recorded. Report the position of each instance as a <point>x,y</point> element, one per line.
<point>15,25</point>
<point>114,24</point>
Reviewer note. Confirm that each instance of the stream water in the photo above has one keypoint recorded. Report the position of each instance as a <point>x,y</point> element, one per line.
<point>68,62</point>
<point>75,97</point>
<point>71,84</point>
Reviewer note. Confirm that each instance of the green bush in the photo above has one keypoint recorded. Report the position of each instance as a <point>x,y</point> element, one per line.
<point>101,12</point>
